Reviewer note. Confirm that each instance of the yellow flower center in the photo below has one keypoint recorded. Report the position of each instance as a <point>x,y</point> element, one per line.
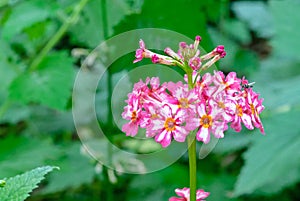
<point>239,110</point>
<point>170,124</point>
<point>253,110</point>
<point>183,103</point>
<point>206,121</point>
<point>133,116</point>
<point>221,105</point>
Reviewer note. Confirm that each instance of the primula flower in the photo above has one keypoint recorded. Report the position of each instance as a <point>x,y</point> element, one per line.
<point>255,108</point>
<point>184,195</point>
<point>182,97</point>
<point>208,103</point>
<point>230,83</point>
<point>132,112</point>
<point>209,120</point>
<point>169,126</point>
<point>241,115</point>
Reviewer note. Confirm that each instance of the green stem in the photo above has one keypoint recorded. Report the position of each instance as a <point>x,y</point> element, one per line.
<point>109,187</point>
<point>58,35</point>
<point>4,107</point>
<point>192,149</point>
<point>192,166</point>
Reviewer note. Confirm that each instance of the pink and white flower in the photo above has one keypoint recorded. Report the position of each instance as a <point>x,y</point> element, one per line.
<point>209,120</point>
<point>169,125</point>
<point>255,108</point>
<point>134,113</point>
<point>184,195</point>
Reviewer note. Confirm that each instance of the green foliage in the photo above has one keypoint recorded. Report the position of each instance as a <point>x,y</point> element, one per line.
<point>18,188</point>
<point>55,78</point>
<point>256,14</point>
<point>17,154</point>
<point>24,15</point>
<point>36,125</point>
<point>286,40</point>
<point>263,169</point>
<point>76,170</point>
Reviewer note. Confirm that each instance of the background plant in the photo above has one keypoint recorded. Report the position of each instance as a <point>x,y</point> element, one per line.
<point>36,122</point>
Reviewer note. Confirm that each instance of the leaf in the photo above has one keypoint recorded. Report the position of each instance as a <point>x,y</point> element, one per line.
<point>90,28</point>
<point>286,40</point>
<point>17,154</point>
<point>49,85</point>
<point>191,20</point>
<point>256,15</point>
<point>75,170</point>
<point>24,15</point>
<point>276,81</point>
<point>234,141</point>
<point>18,188</point>
<point>272,163</point>
<point>237,30</point>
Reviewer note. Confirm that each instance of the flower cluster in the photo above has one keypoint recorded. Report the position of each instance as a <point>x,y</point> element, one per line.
<point>207,104</point>
<point>185,195</point>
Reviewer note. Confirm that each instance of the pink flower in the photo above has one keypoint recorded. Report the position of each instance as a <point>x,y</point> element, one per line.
<point>169,125</point>
<point>132,112</point>
<point>195,63</point>
<point>241,115</point>
<point>182,97</point>
<point>255,108</point>
<point>139,53</point>
<point>185,195</point>
<point>230,83</point>
<point>209,120</point>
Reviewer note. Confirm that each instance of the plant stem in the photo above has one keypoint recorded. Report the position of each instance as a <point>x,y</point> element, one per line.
<point>4,107</point>
<point>109,187</point>
<point>192,150</point>
<point>193,167</point>
<point>58,35</point>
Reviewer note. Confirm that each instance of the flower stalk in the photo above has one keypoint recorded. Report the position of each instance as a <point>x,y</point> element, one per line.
<point>192,166</point>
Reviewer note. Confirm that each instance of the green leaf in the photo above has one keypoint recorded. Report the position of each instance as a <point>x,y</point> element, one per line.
<point>256,15</point>
<point>276,81</point>
<point>76,170</point>
<point>89,30</point>
<point>18,188</point>
<point>286,40</point>
<point>24,15</point>
<point>17,154</point>
<point>234,141</point>
<point>237,30</point>
<point>50,85</point>
<point>272,163</point>
<point>190,21</point>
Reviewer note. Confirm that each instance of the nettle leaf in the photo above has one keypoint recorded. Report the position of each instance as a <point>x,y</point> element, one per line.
<point>18,188</point>
<point>268,170</point>
<point>256,15</point>
<point>24,15</point>
<point>49,85</point>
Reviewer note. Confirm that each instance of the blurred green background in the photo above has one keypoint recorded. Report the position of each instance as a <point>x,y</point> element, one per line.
<point>43,45</point>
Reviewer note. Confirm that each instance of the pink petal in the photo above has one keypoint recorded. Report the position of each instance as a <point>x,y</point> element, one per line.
<point>180,134</point>
<point>130,129</point>
<point>203,135</point>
